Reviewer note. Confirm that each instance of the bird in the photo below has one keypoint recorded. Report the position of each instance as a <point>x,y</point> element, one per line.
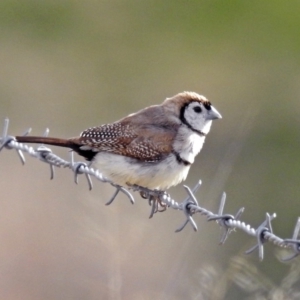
<point>153,148</point>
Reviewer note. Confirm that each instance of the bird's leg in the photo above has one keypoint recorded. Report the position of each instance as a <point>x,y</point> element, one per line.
<point>158,205</point>
<point>153,197</point>
<point>163,206</point>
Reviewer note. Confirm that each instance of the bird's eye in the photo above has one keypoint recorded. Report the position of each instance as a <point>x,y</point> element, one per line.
<point>197,109</point>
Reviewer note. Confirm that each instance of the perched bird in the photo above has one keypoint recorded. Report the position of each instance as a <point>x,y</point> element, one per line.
<point>153,148</point>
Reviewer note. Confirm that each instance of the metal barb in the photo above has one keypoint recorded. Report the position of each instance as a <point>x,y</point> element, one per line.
<point>46,132</point>
<point>72,157</point>
<point>223,219</point>
<point>189,219</point>
<point>76,169</point>
<point>89,180</point>
<point>260,233</point>
<point>193,223</point>
<point>222,222</point>
<point>5,128</point>
<point>3,139</point>
<point>6,144</point>
<point>124,191</point>
<point>239,213</point>
<point>113,197</point>
<point>127,193</point>
<point>51,172</point>
<point>6,141</point>
<point>222,204</point>
<point>197,186</point>
<point>182,226</point>
<point>296,230</point>
<point>43,156</point>
<point>21,156</point>
<point>186,207</point>
<point>191,195</point>
<point>194,190</point>
<point>27,131</point>
<point>294,243</point>
<point>295,246</point>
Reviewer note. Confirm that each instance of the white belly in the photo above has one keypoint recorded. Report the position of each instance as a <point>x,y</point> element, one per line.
<point>123,170</point>
<point>161,175</point>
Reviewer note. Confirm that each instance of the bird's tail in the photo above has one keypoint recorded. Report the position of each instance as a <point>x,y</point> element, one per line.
<point>48,141</point>
<point>73,144</point>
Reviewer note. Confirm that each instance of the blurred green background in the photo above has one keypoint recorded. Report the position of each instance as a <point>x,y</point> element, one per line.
<point>69,65</point>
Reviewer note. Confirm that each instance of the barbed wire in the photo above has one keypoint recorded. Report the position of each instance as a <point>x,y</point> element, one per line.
<point>160,200</point>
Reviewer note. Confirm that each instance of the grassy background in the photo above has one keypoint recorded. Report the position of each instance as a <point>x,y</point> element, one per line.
<point>69,65</point>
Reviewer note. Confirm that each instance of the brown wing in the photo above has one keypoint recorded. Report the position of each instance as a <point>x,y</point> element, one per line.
<point>148,143</point>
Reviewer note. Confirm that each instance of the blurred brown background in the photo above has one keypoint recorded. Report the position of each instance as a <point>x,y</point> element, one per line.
<point>69,65</point>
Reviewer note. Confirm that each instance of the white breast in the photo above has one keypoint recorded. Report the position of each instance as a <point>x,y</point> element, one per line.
<point>188,144</point>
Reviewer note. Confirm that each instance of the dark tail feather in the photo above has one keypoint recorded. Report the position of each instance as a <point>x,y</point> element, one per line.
<point>71,143</point>
<point>48,141</point>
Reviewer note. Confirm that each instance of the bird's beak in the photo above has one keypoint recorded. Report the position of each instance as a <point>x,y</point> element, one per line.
<point>213,114</point>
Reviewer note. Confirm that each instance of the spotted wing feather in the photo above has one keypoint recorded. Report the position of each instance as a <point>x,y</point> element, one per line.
<point>146,143</point>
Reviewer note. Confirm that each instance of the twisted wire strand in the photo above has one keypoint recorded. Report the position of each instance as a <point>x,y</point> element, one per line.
<point>189,206</point>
